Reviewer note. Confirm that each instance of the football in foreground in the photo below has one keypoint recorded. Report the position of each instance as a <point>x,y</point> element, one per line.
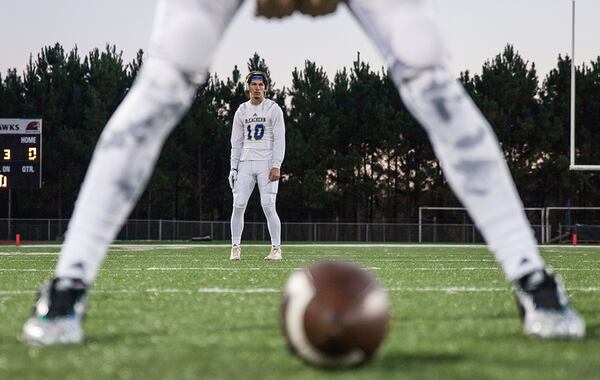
<point>335,314</point>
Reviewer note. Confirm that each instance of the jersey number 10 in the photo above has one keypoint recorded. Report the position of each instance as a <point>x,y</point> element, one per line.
<point>259,132</point>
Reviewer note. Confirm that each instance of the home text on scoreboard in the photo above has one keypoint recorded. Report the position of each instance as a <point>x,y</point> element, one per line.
<point>20,153</point>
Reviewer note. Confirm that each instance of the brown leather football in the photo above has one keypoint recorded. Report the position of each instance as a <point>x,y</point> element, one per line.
<point>334,314</point>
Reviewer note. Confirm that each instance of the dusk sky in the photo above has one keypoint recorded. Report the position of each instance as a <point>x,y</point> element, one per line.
<point>476,30</point>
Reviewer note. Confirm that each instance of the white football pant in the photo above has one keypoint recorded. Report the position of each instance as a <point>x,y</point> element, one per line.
<point>184,38</point>
<point>251,173</point>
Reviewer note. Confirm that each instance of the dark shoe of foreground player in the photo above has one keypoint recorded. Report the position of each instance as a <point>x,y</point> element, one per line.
<point>545,308</point>
<point>57,315</point>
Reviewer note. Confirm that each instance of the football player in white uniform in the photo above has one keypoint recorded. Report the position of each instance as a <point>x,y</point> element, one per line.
<point>184,38</point>
<point>257,150</point>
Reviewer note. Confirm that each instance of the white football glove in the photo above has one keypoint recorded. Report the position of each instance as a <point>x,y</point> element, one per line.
<point>232,177</point>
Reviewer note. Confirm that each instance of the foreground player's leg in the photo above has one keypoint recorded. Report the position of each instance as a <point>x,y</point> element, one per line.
<point>184,37</point>
<point>268,197</point>
<point>465,145</point>
<point>122,163</point>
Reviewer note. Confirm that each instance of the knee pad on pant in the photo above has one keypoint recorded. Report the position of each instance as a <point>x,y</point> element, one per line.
<point>413,54</point>
<point>239,202</point>
<point>186,33</point>
<point>268,201</point>
<point>238,210</point>
<point>405,31</point>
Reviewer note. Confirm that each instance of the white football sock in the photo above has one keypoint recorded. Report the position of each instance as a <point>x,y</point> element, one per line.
<point>237,225</point>
<point>274,224</point>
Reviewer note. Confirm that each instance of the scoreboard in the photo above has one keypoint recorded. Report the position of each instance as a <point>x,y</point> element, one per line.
<point>20,153</point>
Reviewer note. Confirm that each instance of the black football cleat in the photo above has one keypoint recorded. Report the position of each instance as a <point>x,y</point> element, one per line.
<point>58,314</point>
<point>545,309</point>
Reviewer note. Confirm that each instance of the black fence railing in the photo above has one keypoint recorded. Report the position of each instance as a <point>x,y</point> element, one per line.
<point>159,229</point>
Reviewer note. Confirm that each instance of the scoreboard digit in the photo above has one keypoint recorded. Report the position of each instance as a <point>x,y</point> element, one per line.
<point>20,153</point>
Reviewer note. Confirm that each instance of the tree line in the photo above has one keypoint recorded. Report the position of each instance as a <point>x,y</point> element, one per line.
<point>354,153</point>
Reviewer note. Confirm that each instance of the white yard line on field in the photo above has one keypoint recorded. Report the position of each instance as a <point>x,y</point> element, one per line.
<point>25,270</point>
<point>237,291</point>
<point>271,268</point>
<point>448,290</point>
<point>28,253</point>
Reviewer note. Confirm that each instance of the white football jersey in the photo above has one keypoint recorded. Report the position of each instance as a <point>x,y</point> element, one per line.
<point>258,133</point>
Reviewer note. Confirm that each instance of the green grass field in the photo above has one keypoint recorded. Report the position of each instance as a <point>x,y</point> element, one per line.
<point>189,313</point>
